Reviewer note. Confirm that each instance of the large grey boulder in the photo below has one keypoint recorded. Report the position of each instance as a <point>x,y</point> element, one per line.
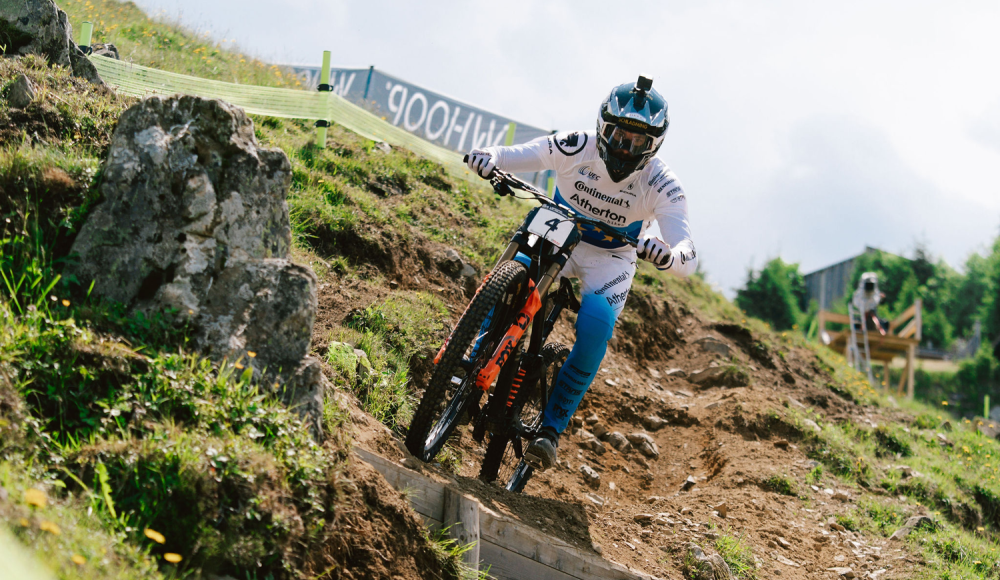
<point>40,27</point>
<point>194,221</point>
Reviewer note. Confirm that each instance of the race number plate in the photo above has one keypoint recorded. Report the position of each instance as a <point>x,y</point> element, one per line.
<point>551,226</point>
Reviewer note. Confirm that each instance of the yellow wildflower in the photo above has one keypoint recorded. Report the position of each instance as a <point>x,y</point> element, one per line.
<point>78,560</point>
<point>252,354</point>
<point>35,497</point>
<point>154,535</point>
<point>49,527</point>
<point>65,302</point>
<point>172,557</point>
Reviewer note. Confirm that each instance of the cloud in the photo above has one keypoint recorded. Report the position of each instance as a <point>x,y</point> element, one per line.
<point>986,128</point>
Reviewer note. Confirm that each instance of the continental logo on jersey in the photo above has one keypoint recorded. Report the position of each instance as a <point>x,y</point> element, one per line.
<point>581,186</point>
<point>570,143</point>
<point>632,123</point>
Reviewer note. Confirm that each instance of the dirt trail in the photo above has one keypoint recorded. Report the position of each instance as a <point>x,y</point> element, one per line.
<point>726,433</point>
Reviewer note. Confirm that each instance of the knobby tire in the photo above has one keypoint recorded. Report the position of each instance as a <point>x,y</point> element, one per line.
<point>443,402</point>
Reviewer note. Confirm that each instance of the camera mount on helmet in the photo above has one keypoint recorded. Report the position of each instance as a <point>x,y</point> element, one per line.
<point>630,127</point>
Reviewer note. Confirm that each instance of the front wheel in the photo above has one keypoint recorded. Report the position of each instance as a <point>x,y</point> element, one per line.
<point>468,349</point>
<point>503,462</point>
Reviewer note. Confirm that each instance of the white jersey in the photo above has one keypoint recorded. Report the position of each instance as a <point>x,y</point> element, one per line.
<point>582,183</point>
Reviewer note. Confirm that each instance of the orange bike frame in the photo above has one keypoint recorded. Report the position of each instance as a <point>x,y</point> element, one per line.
<point>489,373</point>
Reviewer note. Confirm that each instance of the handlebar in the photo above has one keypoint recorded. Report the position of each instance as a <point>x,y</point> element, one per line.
<point>504,184</point>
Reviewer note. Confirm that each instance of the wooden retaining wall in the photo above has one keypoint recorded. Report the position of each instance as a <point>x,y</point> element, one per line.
<point>510,549</point>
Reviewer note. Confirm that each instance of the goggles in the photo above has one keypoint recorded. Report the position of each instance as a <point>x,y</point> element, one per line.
<point>622,140</point>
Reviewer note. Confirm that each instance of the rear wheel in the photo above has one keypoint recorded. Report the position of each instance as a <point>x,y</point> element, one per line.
<point>453,383</point>
<point>503,463</point>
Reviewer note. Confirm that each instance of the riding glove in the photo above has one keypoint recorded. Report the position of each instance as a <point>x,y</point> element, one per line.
<point>482,162</point>
<point>656,251</point>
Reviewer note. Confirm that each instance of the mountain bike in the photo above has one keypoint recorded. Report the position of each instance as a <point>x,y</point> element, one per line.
<point>499,347</point>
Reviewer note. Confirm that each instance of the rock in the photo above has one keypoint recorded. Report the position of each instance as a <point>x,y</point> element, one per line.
<point>687,394</point>
<point>702,567</point>
<point>781,444</point>
<point>655,498</point>
<point>21,92</point>
<point>645,444</point>
<point>643,518</point>
<point>686,510</point>
<point>617,440</point>
<point>679,373</point>
<point>597,447</point>
<point>653,372</point>
<point>722,509</point>
<point>688,483</point>
<point>841,496</point>
<point>785,560</point>
<point>944,440</point>
<point>40,27</point>
<point>592,419</point>
<point>946,426</point>
<point>712,344</point>
<point>784,543</point>
<point>595,499</point>
<point>450,263</point>
<point>576,422</point>
<point>592,478</point>
<point>986,427</point>
<point>912,523</point>
<point>194,221</point>
<point>654,423</point>
<point>833,525</point>
<point>703,375</point>
<point>842,571</point>
<point>597,548</point>
<point>812,425</point>
<point>600,431</point>
<point>108,50</point>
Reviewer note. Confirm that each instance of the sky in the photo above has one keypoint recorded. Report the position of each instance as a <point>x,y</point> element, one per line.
<point>800,130</point>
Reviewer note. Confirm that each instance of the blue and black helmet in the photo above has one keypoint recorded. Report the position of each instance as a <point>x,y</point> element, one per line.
<point>630,127</point>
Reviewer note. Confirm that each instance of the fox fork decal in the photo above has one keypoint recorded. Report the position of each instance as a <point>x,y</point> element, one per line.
<point>489,372</point>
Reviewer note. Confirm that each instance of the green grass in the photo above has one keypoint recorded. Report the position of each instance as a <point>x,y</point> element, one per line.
<point>735,550</point>
<point>780,484</point>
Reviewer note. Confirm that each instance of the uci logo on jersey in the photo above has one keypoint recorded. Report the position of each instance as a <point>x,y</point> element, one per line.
<point>571,143</point>
<point>586,172</point>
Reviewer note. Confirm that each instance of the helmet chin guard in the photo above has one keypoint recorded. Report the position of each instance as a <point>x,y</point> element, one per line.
<point>630,127</point>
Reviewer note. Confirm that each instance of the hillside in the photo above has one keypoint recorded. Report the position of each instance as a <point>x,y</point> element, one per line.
<point>120,428</point>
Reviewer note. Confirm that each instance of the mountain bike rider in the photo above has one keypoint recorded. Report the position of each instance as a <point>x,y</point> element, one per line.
<point>612,175</point>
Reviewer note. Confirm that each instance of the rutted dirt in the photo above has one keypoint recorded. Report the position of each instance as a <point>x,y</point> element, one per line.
<point>728,437</point>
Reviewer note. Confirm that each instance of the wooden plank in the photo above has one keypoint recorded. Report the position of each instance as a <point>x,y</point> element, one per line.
<point>905,316</point>
<point>503,563</point>
<point>425,495</point>
<point>540,547</point>
<point>511,549</point>
<point>909,330</point>
<point>461,515</point>
<point>919,317</point>
<point>834,317</point>
<point>910,368</point>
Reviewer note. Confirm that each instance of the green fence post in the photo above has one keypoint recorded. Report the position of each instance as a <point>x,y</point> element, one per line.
<point>324,85</point>
<point>511,128</point>
<point>86,31</point>
<point>986,407</point>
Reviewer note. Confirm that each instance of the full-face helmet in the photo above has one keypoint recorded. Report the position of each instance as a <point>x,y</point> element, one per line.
<point>630,127</point>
